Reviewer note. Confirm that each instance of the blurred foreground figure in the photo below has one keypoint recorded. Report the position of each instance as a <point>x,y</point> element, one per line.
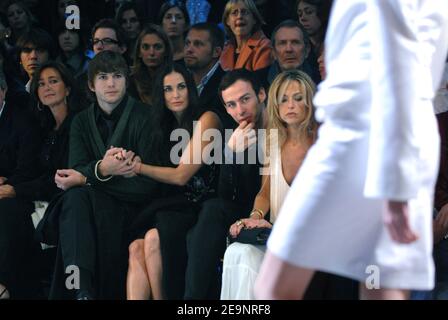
<point>361,205</point>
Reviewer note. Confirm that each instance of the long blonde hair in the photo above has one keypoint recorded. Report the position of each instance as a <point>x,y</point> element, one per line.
<point>277,89</point>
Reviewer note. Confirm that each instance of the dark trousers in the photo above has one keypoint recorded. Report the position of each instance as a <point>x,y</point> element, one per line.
<point>173,227</point>
<point>17,248</point>
<point>206,244</point>
<point>76,230</point>
<point>92,237</point>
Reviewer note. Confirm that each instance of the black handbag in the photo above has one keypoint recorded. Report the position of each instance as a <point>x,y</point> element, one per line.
<point>256,236</point>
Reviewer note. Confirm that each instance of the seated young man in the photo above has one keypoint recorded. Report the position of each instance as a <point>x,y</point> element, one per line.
<point>101,200</point>
<point>244,100</point>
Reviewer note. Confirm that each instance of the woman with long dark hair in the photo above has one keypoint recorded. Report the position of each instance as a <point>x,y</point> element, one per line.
<point>174,19</point>
<point>52,90</point>
<point>72,50</point>
<point>152,50</point>
<point>165,228</point>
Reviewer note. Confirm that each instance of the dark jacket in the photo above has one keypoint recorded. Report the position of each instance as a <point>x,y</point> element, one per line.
<point>53,156</point>
<point>209,99</point>
<point>239,184</point>
<point>20,142</point>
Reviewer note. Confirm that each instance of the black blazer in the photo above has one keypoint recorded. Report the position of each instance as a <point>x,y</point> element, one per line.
<point>20,143</point>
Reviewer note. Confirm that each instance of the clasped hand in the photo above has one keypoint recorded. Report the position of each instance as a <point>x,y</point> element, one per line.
<point>119,162</point>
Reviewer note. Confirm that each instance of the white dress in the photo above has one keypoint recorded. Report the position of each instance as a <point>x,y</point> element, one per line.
<point>379,141</point>
<point>242,261</point>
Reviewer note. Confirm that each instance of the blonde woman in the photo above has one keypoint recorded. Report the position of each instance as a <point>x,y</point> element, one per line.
<point>291,120</point>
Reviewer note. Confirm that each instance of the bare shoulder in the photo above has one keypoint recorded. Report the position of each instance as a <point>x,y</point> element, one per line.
<point>209,119</point>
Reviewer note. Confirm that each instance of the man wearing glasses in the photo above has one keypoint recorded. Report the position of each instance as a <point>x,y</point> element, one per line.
<point>108,35</point>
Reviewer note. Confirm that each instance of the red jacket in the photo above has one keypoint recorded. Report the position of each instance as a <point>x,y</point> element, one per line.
<point>255,54</point>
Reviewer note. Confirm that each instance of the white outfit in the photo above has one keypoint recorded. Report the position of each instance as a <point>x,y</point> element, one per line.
<point>242,261</point>
<point>379,141</point>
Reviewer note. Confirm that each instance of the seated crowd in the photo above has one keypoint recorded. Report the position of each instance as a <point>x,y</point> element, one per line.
<point>135,161</point>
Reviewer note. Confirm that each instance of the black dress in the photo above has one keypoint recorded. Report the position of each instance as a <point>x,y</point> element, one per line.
<point>18,250</point>
<point>173,216</point>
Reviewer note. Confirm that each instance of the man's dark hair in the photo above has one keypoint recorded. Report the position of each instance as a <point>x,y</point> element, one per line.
<point>215,33</point>
<point>111,24</point>
<point>107,62</point>
<point>291,24</point>
<point>37,38</point>
<point>239,74</point>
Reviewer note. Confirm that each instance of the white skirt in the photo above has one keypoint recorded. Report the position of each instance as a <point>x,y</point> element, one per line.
<point>241,265</point>
<point>327,224</point>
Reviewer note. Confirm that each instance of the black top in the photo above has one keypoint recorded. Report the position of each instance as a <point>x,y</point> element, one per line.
<point>106,123</point>
<point>53,156</point>
<point>20,141</point>
<point>201,186</point>
<point>239,184</point>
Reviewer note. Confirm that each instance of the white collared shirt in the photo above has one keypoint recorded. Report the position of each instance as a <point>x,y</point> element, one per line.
<point>206,78</point>
<point>28,86</point>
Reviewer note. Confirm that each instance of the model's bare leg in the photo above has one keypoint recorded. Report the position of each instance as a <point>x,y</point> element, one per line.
<point>137,285</point>
<point>153,259</point>
<point>280,280</point>
<point>382,294</point>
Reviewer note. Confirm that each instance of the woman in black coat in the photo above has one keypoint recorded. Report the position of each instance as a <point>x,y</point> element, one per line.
<point>52,87</point>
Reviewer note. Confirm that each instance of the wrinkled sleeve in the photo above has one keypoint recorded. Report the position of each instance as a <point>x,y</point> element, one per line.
<point>401,89</point>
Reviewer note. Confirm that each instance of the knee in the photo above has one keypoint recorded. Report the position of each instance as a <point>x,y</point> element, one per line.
<point>74,199</point>
<point>74,194</point>
<point>136,251</point>
<point>152,242</point>
<point>239,252</point>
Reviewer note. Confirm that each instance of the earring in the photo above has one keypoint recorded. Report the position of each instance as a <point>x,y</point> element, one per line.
<point>39,107</point>
<point>65,100</point>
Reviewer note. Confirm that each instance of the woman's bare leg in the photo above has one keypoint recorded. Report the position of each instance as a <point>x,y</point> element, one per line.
<point>279,280</point>
<point>153,260</point>
<point>137,285</point>
<point>382,294</point>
